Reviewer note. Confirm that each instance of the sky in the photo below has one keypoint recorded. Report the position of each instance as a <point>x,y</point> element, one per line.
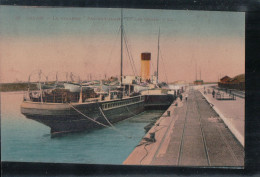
<point>87,40</point>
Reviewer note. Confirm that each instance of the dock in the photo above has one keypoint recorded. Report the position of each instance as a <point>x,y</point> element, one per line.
<point>189,133</point>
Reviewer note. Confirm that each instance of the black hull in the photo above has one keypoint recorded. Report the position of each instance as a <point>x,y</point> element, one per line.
<point>63,118</point>
<point>81,123</point>
<point>69,120</point>
<point>158,102</point>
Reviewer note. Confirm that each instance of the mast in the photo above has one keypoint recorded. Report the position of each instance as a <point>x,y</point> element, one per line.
<point>67,80</point>
<point>196,69</point>
<point>200,73</point>
<point>40,72</point>
<point>29,85</point>
<point>121,67</point>
<point>56,77</point>
<point>157,76</point>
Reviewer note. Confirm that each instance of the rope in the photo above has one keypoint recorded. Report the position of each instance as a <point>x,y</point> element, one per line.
<point>112,127</point>
<point>88,117</point>
<point>130,52</point>
<point>105,117</point>
<point>151,142</point>
<point>129,57</point>
<point>130,111</point>
<point>164,66</point>
<point>148,143</point>
<point>109,57</point>
<point>153,68</point>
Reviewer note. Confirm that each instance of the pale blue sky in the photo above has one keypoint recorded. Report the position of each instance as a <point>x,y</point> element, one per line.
<point>43,37</point>
<point>174,23</point>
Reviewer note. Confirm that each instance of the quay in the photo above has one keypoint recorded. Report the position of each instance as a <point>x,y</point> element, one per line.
<point>232,112</point>
<point>189,133</point>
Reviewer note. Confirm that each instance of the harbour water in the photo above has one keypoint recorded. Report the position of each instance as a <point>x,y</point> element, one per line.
<point>24,140</point>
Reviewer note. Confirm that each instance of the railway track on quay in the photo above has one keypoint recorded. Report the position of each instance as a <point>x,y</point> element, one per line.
<point>195,137</point>
<point>189,112</point>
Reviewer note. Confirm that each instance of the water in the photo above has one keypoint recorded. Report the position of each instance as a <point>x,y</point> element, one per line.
<point>24,140</point>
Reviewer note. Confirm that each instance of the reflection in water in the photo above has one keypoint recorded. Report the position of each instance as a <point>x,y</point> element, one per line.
<point>29,141</point>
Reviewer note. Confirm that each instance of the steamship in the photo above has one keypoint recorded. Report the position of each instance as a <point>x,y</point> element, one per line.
<point>78,108</point>
<point>68,113</point>
<point>65,111</point>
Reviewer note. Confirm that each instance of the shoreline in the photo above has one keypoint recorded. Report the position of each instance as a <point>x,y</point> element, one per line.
<point>14,87</point>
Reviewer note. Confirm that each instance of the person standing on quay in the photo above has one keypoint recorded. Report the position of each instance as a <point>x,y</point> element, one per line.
<point>213,93</point>
<point>181,97</point>
<point>186,97</point>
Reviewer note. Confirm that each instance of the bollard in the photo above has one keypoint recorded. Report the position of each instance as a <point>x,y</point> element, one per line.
<point>152,137</point>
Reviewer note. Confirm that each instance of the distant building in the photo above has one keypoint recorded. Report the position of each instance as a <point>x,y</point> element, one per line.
<point>225,80</point>
<point>198,82</point>
<point>237,82</point>
<point>179,82</point>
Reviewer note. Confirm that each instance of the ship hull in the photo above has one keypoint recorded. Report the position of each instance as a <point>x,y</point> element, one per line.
<point>65,118</point>
<point>159,102</point>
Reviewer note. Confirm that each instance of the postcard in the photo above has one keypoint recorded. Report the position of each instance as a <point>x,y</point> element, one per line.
<point>122,86</point>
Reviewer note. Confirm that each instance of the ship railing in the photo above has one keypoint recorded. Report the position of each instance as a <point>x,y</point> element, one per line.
<point>56,98</point>
<point>106,106</point>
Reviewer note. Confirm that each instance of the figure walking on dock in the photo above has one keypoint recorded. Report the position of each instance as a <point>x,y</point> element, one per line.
<point>213,94</point>
<point>181,97</point>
